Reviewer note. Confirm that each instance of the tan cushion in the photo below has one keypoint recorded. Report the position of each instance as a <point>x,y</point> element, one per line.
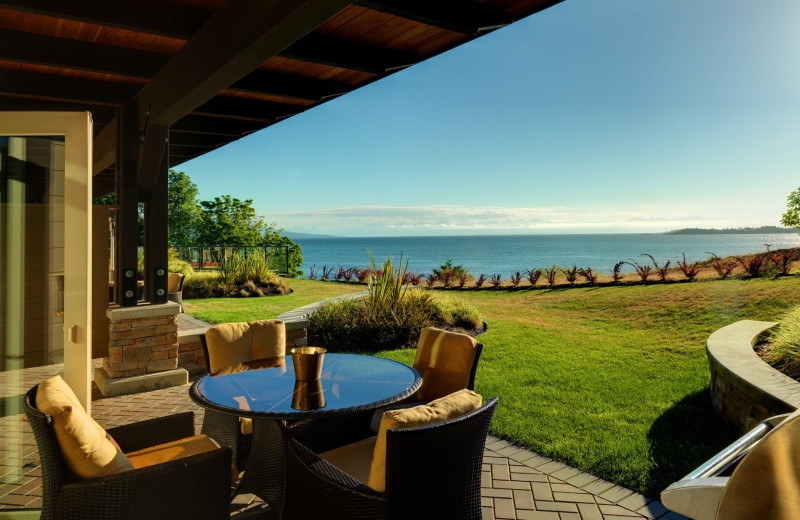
<point>174,282</point>
<point>228,344</point>
<point>171,451</point>
<point>269,338</point>
<point>766,483</point>
<point>444,360</point>
<point>354,459</point>
<point>443,409</point>
<point>246,425</point>
<point>86,447</point>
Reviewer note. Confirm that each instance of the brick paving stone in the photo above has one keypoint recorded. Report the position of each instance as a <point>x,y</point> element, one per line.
<point>536,461</point>
<point>500,472</point>
<point>487,513</point>
<point>565,473</point>
<point>522,456</point>
<point>590,512</point>
<point>564,488</point>
<point>537,515</point>
<point>551,467</point>
<point>634,502</point>
<point>528,477</point>
<point>486,479</point>
<point>504,508</point>
<point>510,450</point>
<point>496,493</point>
<point>616,494</point>
<point>510,484</point>
<point>617,510</point>
<point>567,507</point>
<point>541,491</point>
<point>569,516</point>
<point>523,499</point>
<point>494,460</point>
<point>581,479</point>
<point>597,486</point>
<point>600,501</point>
<point>487,502</point>
<point>521,468</point>
<point>585,498</point>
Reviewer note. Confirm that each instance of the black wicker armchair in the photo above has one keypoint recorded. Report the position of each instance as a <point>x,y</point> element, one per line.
<point>431,472</point>
<point>193,487</point>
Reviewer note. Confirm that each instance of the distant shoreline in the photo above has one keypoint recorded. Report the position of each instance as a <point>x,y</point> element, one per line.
<point>732,231</point>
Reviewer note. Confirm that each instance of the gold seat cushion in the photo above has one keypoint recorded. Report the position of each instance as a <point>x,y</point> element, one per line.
<point>442,409</point>
<point>354,459</point>
<point>174,282</point>
<point>444,360</point>
<point>269,339</point>
<point>87,449</point>
<point>175,450</point>
<point>229,344</point>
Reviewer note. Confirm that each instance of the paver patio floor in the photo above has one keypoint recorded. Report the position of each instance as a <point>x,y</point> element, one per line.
<point>515,484</point>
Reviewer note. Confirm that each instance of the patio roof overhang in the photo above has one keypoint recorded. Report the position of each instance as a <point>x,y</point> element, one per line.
<point>167,81</point>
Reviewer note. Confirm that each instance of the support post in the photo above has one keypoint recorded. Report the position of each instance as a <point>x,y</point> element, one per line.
<point>156,240</point>
<point>127,195</point>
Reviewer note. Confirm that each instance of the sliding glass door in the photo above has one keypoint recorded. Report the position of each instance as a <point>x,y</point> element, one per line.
<point>45,174</point>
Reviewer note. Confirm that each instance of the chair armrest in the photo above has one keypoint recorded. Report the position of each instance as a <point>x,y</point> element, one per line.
<point>326,433</point>
<point>189,488</point>
<point>152,432</point>
<point>697,498</point>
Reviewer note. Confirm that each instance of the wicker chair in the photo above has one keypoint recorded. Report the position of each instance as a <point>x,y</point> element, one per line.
<point>431,472</point>
<point>175,288</point>
<point>193,487</point>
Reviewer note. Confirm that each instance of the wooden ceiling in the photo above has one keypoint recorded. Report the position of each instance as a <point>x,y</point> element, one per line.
<point>98,55</point>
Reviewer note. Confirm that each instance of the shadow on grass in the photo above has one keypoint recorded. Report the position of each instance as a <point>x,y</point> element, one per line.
<point>683,438</point>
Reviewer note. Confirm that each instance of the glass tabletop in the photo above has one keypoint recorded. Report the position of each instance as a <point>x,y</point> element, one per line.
<point>348,382</point>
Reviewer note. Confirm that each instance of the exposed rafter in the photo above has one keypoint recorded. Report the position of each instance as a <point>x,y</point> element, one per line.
<point>65,87</point>
<point>336,52</point>
<point>462,16</point>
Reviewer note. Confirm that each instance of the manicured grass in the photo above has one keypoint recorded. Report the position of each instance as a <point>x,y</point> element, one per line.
<point>611,380</point>
<point>224,310</point>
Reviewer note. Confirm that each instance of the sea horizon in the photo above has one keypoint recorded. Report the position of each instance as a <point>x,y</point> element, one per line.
<point>509,253</point>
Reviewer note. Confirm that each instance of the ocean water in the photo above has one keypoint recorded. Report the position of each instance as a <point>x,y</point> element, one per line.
<point>506,254</point>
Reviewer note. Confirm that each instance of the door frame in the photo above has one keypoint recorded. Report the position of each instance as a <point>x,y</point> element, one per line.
<point>76,127</point>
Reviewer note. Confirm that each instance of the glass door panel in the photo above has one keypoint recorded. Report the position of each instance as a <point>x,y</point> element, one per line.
<point>41,291</point>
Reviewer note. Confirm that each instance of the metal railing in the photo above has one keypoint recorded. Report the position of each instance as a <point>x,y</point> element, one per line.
<point>211,257</point>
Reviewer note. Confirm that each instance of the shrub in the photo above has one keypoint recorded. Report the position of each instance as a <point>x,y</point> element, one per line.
<point>571,274</point>
<point>455,313</point>
<point>550,273</point>
<point>312,272</point>
<point>723,269</point>
<point>212,284</point>
<point>385,287</point>
<point>589,275</point>
<point>753,265</point>
<point>462,279</point>
<point>326,272</point>
<point>362,275</point>
<point>495,280</point>
<point>516,278</point>
<point>257,267</point>
<point>782,259</point>
<point>662,270</point>
<point>617,272</point>
<point>416,278</point>
<point>690,271</point>
<point>533,275</point>
<point>447,272</point>
<point>783,351</point>
<point>480,281</point>
<point>430,280</point>
<point>233,269</point>
<point>642,270</point>
<point>176,265</point>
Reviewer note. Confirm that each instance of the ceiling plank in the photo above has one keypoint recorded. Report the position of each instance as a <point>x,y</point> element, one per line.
<point>284,85</point>
<point>253,109</point>
<point>462,16</point>
<point>79,55</point>
<point>151,16</point>
<point>253,31</point>
<point>198,140</point>
<point>336,52</point>
<point>100,114</point>
<point>65,87</point>
<point>104,147</point>
<point>194,123</point>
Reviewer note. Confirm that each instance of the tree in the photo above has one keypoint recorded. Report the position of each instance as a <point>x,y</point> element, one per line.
<point>792,216</point>
<point>184,211</point>
<point>229,221</point>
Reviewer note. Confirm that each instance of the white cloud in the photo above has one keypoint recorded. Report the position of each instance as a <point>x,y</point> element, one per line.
<point>454,219</point>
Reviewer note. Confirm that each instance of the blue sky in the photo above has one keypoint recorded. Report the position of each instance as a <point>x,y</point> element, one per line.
<point>592,116</point>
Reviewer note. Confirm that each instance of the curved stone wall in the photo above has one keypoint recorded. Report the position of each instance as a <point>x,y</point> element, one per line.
<point>744,389</point>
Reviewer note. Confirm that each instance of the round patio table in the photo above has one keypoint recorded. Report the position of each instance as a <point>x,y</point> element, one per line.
<point>350,384</point>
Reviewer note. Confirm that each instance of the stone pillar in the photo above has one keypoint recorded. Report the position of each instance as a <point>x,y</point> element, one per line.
<point>142,350</point>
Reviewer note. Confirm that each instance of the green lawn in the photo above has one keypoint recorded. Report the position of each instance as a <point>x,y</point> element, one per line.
<point>611,380</point>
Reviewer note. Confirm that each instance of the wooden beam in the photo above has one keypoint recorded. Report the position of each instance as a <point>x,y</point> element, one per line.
<point>169,19</point>
<point>151,152</point>
<point>104,147</point>
<point>65,88</point>
<point>253,31</point>
<point>294,87</point>
<point>462,16</point>
<point>156,237</point>
<point>336,52</point>
<point>254,109</point>
<point>198,140</point>
<point>38,49</point>
<point>100,114</point>
<point>127,197</point>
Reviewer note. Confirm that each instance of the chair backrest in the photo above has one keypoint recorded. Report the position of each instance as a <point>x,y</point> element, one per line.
<point>435,471</point>
<point>766,483</point>
<point>54,472</point>
<point>230,343</point>
<point>447,362</point>
<point>175,282</point>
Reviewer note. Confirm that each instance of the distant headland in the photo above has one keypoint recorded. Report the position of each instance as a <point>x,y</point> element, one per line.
<point>732,231</point>
<point>294,235</point>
